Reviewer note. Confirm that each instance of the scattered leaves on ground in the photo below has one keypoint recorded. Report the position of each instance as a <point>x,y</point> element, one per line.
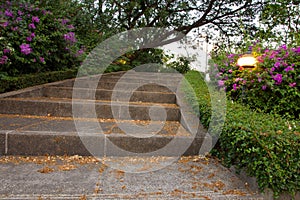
<point>215,185</point>
<point>83,197</point>
<point>51,163</point>
<point>234,192</point>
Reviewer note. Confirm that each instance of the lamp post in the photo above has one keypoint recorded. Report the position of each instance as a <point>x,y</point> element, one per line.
<point>247,61</point>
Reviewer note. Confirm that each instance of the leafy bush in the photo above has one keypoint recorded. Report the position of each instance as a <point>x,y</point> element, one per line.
<point>273,86</point>
<point>151,60</point>
<point>14,83</point>
<point>267,146</point>
<point>181,65</point>
<point>79,13</point>
<point>34,40</point>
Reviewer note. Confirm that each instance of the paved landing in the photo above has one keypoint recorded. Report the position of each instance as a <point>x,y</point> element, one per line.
<point>78,177</point>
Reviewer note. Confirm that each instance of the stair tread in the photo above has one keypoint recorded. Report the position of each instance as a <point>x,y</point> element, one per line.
<point>32,123</point>
<point>111,90</point>
<point>86,101</point>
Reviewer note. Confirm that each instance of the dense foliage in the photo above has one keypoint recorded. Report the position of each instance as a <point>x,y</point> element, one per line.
<point>280,22</point>
<point>265,145</point>
<point>35,40</point>
<point>273,86</point>
<point>180,15</point>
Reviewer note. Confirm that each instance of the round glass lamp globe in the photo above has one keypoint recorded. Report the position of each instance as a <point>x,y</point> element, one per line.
<point>247,60</point>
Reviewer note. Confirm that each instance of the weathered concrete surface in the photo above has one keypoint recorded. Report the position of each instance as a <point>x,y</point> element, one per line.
<point>40,120</point>
<point>113,178</point>
<point>33,135</point>
<point>63,107</point>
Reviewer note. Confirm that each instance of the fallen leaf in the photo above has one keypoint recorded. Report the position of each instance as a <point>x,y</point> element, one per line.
<point>211,175</point>
<point>66,167</point>
<point>46,170</point>
<point>234,192</point>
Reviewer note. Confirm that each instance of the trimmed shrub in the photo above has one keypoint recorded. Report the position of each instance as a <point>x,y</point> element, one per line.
<point>265,145</point>
<point>28,80</point>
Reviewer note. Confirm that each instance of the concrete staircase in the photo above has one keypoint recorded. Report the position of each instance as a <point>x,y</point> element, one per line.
<point>116,114</point>
<point>132,122</point>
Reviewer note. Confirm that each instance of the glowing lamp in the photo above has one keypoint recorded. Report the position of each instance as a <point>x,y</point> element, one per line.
<point>247,61</point>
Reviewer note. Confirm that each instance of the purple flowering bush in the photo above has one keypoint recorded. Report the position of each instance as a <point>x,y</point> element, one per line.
<point>34,40</point>
<point>273,86</point>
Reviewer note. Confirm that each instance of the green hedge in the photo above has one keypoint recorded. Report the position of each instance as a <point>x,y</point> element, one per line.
<point>28,80</point>
<point>266,146</point>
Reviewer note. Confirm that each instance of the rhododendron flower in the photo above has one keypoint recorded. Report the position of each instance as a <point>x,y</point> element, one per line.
<point>296,50</point>
<point>283,47</point>
<point>259,79</point>
<point>273,54</point>
<point>277,64</point>
<point>264,87</point>
<point>28,39</point>
<point>31,26</point>
<point>292,84</point>
<point>79,52</point>
<point>218,74</point>
<point>289,68</point>
<point>260,59</point>
<point>5,24</point>
<point>20,13</point>
<point>42,59</point>
<point>70,27</point>
<point>238,79</point>
<point>35,19</point>
<point>9,13</point>
<point>278,78</point>
<point>25,49</point>
<point>3,60</point>
<point>64,21</point>
<point>70,37</point>
<point>6,51</point>
<point>234,86</point>
<point>279,59</point>
<point>284,64</point>
<point>230,56</point>
<point>221,83</point>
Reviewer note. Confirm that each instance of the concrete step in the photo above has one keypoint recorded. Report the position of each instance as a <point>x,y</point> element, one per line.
<point>139,75</point>
<point>136,77</point>
<point>132,80</point>
<point>104,109</point>
<point>101,94</point>
<point>126,86</point>
<point>33,135</point>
